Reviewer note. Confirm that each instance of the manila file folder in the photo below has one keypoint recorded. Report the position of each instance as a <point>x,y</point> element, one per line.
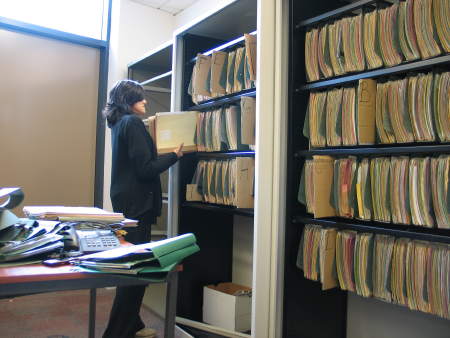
<point>323,181</point>
<point>175,128</point>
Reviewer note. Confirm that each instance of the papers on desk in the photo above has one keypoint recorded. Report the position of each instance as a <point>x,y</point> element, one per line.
<point>29,240</point>
<point>69,214</point>
<point>155,257</point>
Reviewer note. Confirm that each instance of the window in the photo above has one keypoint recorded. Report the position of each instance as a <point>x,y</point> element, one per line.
<point>81,17</point>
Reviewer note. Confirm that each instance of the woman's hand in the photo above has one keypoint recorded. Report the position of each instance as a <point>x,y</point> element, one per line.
<point>179,151</point>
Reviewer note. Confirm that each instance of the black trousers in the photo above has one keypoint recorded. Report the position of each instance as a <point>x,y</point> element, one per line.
<point>124,319</point>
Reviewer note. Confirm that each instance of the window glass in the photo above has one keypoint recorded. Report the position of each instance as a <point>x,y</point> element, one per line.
<point>81,17</point>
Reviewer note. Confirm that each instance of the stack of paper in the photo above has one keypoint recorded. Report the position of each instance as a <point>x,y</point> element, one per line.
<point>201,77</point>
<point>248,120</point>
<point>336,48</point>
<point>363,264</point>
<point>155,257</point>
<point>311,54</point>
<point>323,55</point>
<point>315,119</point>
<point>420,192</point>
<point>345,251</point>
<point>366,111</point>
<point>363,190</point>
<point>420,105</point>
<point>334,117</point>
<point>441,105</point>
<point>343,197</point>
<point>441,11</point>
<point>398,274</point>
<point>218,83</point>
<point>385,131</point>
<point>439,175</point>
<point>349,137</point>
<point>402,271</point>
<point>388,26</point>
<point>398,190</point>
<point>251,57</point>
<point>416,274</point>
<point>67,214</point>
<point>223,73</point>
<point>438,280</point>
<point>383,248</point>
<point>352,35</point>
<point>28,241</point>
<point>406,33</point>
<point>316,255</point>
<point>379,180</point>
<point>371,40</point>
<point>425,29</point>
<point>228,182</point>
<point>175,128</point>
<point>398,109</point>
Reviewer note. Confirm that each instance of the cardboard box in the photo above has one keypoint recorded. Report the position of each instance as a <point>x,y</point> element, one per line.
<point>175,128</point>
<point>227,305</point>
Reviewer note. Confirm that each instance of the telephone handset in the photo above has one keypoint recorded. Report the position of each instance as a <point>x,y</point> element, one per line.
<point>91,240</point>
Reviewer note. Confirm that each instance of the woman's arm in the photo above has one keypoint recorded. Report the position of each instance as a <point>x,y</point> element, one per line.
<point>147,167</point>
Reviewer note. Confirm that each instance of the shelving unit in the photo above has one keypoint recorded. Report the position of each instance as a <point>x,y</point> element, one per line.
<point>154,72</point>
<point>212,224</point>
<point>308,311</point>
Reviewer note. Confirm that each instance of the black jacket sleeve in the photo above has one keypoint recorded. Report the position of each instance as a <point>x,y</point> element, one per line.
<point>141,151</point>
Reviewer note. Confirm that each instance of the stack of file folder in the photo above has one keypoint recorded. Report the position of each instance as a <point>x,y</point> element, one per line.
<point>397,189</point>
<point>29,241</point>
<point>227,182</point>
<point>223,73</point>
<point>150,258</point>
<point>230,127</point>
<point>402,32</point>
<point>411,109</point>
<point>402,271</point>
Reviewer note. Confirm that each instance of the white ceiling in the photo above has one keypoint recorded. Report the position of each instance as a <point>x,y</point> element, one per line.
<point>173,7</point>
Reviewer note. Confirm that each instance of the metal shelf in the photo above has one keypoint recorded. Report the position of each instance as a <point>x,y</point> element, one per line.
<point>383,150</point>
<point>226,154</point>
<point>337,12</point>
<point>222,100</point>
<point>397,230</point>
<point>219,208</point>
<point>403,68</point>
<point>229,44</point>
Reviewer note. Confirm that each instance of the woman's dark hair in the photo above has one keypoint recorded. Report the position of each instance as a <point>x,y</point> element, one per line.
<point>124,94</point>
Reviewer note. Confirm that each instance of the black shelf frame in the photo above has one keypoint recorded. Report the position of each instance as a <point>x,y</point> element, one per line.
<point>402,68</point>
<point>336,13</point>
<point>228,45</point>
<point>219,208</point>
<point>223,100</point>
<point>224,154</point>
<point>396,230</point>
<point>379,150</point>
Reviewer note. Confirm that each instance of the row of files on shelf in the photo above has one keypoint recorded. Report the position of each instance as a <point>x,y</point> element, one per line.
<point>227,182</point>
<point>405,31</point>
<point>226,128</point>
<point>411,109</point>
<point>224,73</point>
<point>407,272</point>
<point>402,190</point>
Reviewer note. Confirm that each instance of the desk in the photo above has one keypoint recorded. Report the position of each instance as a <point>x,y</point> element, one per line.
<point>29,279</point>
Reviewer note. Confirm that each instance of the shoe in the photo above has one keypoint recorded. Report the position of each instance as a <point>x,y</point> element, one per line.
<point>146,332</point>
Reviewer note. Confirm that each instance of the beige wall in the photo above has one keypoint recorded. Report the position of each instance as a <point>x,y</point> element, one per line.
<point>48,107</point>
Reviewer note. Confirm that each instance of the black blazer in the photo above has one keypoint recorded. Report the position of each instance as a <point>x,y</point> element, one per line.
<point>135,183</point>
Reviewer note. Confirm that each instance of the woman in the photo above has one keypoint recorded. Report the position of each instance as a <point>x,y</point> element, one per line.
<point>135,191</point>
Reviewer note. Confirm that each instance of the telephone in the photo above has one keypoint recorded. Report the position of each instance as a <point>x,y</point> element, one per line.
<point>90,240</point>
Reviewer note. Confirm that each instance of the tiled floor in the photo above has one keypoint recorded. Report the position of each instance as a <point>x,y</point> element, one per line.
<point>60,315</point>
